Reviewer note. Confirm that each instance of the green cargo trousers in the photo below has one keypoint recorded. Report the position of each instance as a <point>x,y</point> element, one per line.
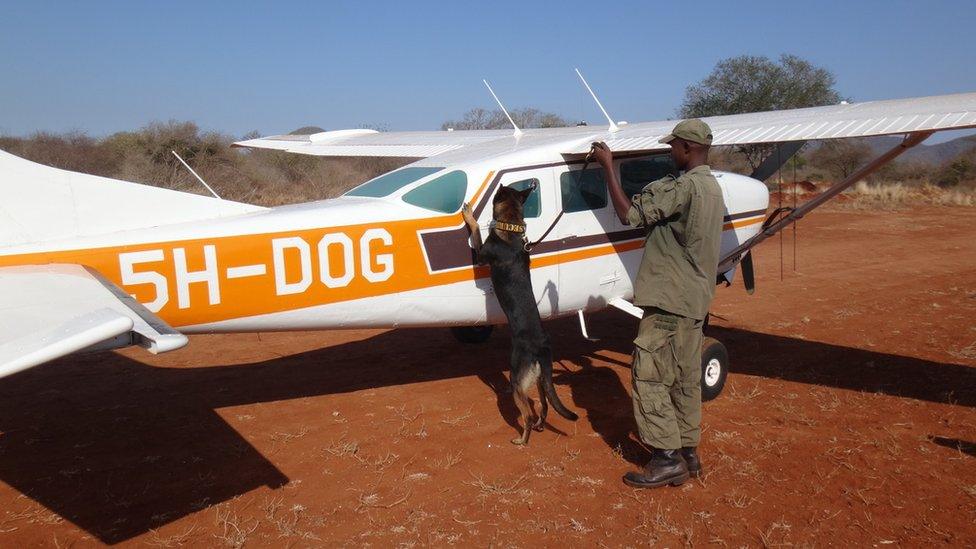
<point>666,380</point>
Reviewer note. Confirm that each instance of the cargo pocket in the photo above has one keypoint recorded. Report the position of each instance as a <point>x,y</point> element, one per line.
<point>653,368</point>
<point>653,351</point>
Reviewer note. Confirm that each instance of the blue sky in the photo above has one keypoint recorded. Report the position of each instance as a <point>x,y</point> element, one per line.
<point>102,67</point>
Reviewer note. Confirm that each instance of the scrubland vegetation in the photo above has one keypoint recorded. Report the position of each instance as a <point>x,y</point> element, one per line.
<point>272,178</point>
<point>268,178</point>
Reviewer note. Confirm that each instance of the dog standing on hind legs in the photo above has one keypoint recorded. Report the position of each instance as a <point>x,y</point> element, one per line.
<point>504,251</point>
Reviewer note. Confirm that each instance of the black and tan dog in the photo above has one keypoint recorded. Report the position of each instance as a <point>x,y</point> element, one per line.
<point>504,251</point>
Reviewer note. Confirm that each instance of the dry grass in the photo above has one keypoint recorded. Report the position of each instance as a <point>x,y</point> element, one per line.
<point>373,500</point>
<point>449,460</point>
<point>895,195</point>
<point>233,530</point>
<point>495,487</point>
<point>177,540</point>
<point>287,522</point>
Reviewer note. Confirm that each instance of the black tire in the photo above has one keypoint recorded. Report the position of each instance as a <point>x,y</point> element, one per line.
<point>715,368</point>
<point>472,334</point>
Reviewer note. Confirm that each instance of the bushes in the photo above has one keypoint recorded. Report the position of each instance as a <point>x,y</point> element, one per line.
<point>268,178</point>
<point>962,170</point>
<point>272,178</point>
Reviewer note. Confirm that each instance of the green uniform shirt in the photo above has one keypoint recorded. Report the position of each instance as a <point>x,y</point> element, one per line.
<point>684,220</point>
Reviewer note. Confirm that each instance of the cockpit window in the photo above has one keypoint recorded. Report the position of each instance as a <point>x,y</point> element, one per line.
<point>583,190</point>
<point>533,204</point>
<point>387,184</point>
<point>443,194</point>
<point>636,174</point>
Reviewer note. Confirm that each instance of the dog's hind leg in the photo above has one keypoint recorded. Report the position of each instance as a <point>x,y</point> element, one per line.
<point>525,410</point>
<point>543,406</point>
<point>523,377</point>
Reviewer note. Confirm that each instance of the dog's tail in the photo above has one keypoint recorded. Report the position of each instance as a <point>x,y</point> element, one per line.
<point>546,372</point>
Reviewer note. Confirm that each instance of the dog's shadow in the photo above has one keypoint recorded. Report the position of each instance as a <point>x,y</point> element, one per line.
<point>597,390</point>
<point>609,409</point>
<point>499,384</point>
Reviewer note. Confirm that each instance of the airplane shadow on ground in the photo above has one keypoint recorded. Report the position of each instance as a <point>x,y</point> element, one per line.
<point>118,447</point>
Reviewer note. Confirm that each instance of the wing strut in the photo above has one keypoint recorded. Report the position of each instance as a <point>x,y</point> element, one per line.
<point>795,214</point>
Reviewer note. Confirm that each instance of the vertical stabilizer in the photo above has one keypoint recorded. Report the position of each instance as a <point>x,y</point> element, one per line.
<point>40,203</point>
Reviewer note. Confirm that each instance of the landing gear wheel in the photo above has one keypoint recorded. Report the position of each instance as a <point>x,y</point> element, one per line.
<point>472,334</point>
<point>715,368</point>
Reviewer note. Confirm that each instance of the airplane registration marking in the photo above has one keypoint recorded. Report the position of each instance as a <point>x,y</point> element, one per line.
<point>245,271</point>
<point>339,260</point>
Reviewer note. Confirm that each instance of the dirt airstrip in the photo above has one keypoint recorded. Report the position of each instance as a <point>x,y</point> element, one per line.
<point>849,419</point>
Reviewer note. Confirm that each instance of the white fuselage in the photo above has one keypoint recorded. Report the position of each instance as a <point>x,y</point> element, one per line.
<point>385,261</point>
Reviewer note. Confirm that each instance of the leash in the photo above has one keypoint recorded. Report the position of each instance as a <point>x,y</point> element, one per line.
<point>527,246</point>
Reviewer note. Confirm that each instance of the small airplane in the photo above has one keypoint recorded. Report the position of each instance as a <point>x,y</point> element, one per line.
<point>91,263</point>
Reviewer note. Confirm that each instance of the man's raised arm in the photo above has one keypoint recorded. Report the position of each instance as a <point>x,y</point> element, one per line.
<point>621,202</point>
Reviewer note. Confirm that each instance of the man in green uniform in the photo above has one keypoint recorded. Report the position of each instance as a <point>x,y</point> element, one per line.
<point>675,284</point>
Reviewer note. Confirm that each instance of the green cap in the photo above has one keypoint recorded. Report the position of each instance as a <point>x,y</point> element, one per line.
<point>693,130</point>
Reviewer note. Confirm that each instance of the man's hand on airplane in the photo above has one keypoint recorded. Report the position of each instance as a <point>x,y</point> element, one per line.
<point>601,153</point>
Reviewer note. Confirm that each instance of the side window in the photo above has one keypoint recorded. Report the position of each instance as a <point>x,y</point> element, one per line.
<point>443,194</point>
<point>533,204</point>
<point>636,174</point>
<point>583,190</point>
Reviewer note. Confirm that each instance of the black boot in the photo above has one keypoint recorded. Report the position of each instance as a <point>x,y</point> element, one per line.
<point>690,456</point>
<point>665,467</point>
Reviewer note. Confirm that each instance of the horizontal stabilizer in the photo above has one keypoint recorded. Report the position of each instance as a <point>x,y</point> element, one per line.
<point>69,336</point>
<point>49,311</point>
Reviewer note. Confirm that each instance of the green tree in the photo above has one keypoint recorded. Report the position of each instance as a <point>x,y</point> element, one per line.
<point>749,83</point>
<point>959,170</point>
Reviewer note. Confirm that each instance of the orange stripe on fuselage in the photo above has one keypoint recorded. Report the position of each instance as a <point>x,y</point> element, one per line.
<point>481,189</point>
<point>250,295</point>
<point>742,223</point>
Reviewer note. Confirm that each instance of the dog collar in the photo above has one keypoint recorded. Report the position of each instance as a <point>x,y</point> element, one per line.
<point>510,227</point>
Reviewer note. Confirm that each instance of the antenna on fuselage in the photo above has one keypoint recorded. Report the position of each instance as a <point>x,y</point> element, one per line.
<point>200,179</point>
<point>518,132</point>
<point>613,125</point>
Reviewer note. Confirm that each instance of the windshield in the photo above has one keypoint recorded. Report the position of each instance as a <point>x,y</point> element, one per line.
<point>443,194</point>
<point>389,183</point>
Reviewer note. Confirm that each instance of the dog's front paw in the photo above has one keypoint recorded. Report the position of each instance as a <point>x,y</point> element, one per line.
<point>468,215</point>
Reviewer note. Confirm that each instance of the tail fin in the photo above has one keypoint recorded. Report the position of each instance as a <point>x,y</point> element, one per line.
<point>546,373</point>
<point>41,203</point>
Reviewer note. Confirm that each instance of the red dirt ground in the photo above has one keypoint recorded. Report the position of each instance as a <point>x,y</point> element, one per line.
<point>849,419</point>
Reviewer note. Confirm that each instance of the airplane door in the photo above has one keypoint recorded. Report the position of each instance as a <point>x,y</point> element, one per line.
<point>589,270</point>
<point>540,210</point>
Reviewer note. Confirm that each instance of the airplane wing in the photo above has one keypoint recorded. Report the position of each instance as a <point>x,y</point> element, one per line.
<point>870,118</point>
<point>418,144</point>
<point>49,311</point>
